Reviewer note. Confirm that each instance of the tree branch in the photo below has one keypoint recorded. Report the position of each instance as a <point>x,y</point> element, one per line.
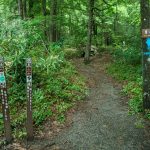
<point>95,8</point>
<point>108,3</point>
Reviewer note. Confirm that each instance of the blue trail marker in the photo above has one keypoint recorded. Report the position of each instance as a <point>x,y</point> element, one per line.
<point>146,53</point>
<point>148,43</point>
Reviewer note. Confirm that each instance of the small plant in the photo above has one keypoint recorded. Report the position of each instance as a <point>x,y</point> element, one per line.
<point>19,133</point>
<point>147,114</point>
<point>126,68</point>
<point>1,123</point>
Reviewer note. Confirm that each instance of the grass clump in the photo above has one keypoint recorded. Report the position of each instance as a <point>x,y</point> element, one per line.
<point>126,68</point>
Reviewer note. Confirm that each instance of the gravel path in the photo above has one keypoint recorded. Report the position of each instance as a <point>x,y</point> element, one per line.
<point>101,122</point>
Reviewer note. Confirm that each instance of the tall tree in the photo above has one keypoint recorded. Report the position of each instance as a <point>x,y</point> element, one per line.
<point>90,27</point>
<point>31,3</point>
<point>53,26</point>
<point>44,14</point>
<point>44,7</point>
<point>20,8</point>
<point>145,24</point>
<point>24,8</point>
<point>116,19</point>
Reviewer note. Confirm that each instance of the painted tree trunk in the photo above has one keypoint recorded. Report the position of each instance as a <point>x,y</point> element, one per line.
<point>145,24</point>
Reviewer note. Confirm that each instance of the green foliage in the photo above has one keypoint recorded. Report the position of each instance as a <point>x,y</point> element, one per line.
<point>61,109</point>
<point>1,123</point>
<point>41,107</point>
<point>19,133</point>
<point>123,71</point>
<point>134,91</point>
<point>130,55</point>
<point>56,85</point>
<point>147,114</point>
<point>127,68</point>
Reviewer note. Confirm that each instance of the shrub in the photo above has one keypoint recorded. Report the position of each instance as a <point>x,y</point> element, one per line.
<point>56,84</point>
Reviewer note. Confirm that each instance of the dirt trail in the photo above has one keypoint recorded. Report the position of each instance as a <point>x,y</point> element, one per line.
<point>101,122</point>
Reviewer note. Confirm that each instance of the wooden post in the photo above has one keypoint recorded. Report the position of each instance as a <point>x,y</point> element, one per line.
<point>29,99</point>
<point>4,98</point>
<point>146,68</point>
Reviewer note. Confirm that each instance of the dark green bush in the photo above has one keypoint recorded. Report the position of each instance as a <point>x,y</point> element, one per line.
<point>130,56</point>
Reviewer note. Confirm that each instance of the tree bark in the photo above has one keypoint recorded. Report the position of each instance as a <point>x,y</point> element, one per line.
<point>31,3</point>
<point>90,27</point>
<point>24,9</point>
<point>44,7</point>
<point>53,27</point>
<point>145,24</point>
<point>20,8</point>
<point>44,14</point>
<point>116,20</point>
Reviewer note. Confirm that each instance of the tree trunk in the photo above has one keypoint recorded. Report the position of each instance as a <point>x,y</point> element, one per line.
<point>20,8</point>
<point>53,27</point>
<point>44,7</point>
<point>24,8</point>
<point>90,27</point>
<point>116,20</point>
<point>31,3</point>
<point>145,24</point>
<point>44,14</point>
<point>94,28</point>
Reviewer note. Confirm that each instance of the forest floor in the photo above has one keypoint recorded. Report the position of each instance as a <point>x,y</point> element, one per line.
<point>101,122</point>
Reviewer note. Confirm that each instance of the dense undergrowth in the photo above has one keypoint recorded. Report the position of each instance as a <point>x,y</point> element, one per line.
<point>126,67</point>
<point>56,88</point>
<point>56,83</point>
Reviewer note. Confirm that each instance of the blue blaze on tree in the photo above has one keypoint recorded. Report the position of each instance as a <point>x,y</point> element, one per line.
<point>145,24</point>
